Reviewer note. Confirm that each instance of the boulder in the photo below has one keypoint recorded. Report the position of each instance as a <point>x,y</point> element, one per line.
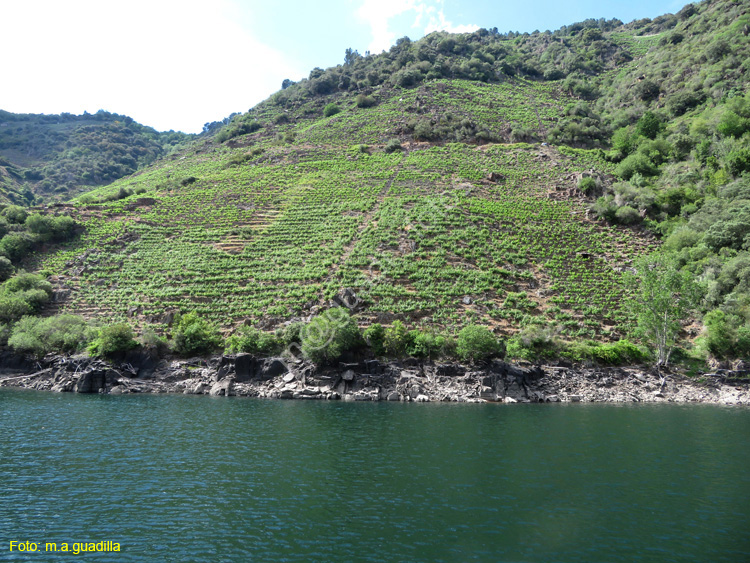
<point>223,388</point>
<point>92,381</point>
<point>245,367</point>
<point>273,367</point>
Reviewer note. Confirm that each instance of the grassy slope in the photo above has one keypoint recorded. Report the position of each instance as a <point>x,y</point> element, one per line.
<point>273,234</point>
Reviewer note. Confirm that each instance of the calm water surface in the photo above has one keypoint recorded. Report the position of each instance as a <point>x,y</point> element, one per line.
<point>174,478</point>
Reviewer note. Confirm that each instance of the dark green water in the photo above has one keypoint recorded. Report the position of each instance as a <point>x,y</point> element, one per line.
<point>175,478</point>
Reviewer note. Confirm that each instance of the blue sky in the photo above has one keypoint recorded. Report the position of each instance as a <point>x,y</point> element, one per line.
<point>177,64</point>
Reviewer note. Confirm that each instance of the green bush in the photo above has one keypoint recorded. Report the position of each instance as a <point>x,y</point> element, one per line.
<point>364,101</point>
<point>195,335</point>
<point>477,343</point>
<point>153,342</point>
<point>396,339</point>
<point>636,163</point>
<point>49,227</point>
<point>16,245</point>
<point>533,343</point>
<point>427,344</point>
<point>15,214</point>
<point>22,295</point>
<point>326,337</point>
<point>375,338</point>
<point>738,161</point>
<point>392,146</point>
<point>6,268</point>
<point>62,333</point>
<point>627,215</point>
<point>649,125</point>
<point>622,352</point>
<point>724,336</point>
<point>250,340</point>
<point>331,109</point>
<point>292,333</point>
<point>113,339</point>
<point>587,185</point>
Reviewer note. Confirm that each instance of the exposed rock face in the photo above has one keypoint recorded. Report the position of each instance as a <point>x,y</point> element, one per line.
<point>372,380</point>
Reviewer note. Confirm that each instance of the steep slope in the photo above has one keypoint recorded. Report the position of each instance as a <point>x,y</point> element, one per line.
<point>46,158</point>
<point>265,229</point>
<point>501,179</point>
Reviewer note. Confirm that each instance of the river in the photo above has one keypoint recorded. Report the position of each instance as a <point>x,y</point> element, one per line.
<point>184,478</point>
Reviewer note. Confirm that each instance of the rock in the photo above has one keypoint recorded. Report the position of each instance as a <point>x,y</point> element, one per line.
<point>244,367</point>
<point>347,298</point>
<point>509,400</point>
<point>466,300</point>
<point>273,367</point>
<point>223,388</point>
<point>348,375</point>
<point>393,396</point>
<point>574,398</point>
<point>289,377</point>
<point>640,377</point>
<point>92,381</point>
<point>552,399</point>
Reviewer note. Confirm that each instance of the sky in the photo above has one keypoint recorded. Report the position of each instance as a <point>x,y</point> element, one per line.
<point>178,64</point>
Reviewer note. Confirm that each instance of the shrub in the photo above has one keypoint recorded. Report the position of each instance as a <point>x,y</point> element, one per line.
<point>292,333</point>
<point>326,337</point>
<point>375,338</point>
<point>392,146</point>
<point>427,344</point>
<point>195,335</point>
<point>152,341</point>
<point>627,215</point>
<point>331,109</point>
<point>113,339</point>
<point>6,268</point>
<point>48,227</point>
<point>720,337</point>
<point>364,101</point>
<point>16,245</point>
<point>22,295</point>
<point>533,342</point>
<point>635,163</point>
<point>621,352</point>
<point>649,125</point>
<point>62,333</point>
<point>587,185</point>
<point>250,340</point>
<point>396,339</point>
<point>477,343</point>
<point>15,214</point>
<point>738,161</point>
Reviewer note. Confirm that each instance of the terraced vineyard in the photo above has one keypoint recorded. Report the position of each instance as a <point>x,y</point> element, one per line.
<point>437,234</point>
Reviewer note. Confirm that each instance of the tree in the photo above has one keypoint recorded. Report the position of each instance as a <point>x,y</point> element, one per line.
<point>477,343</point>
<point>326,337</point>
<point>195,335</point>
<point>663,296</point>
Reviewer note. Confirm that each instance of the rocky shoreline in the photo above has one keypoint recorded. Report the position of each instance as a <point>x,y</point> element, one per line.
<point>371,380</point>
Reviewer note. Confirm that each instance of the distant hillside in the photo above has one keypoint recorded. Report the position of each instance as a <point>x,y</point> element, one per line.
<point>508,180</point>
<point>54,157</point>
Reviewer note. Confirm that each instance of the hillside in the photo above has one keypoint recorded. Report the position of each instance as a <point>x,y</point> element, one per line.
<point>505,180</point>
<point>46,158</point>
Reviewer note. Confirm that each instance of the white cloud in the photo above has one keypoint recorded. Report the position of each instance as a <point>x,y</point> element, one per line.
<point>429,16</point>
<point>378,13</point>
<point>170,64</point>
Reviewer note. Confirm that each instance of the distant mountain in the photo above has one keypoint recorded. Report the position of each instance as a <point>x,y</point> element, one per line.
<point>54,157</point>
